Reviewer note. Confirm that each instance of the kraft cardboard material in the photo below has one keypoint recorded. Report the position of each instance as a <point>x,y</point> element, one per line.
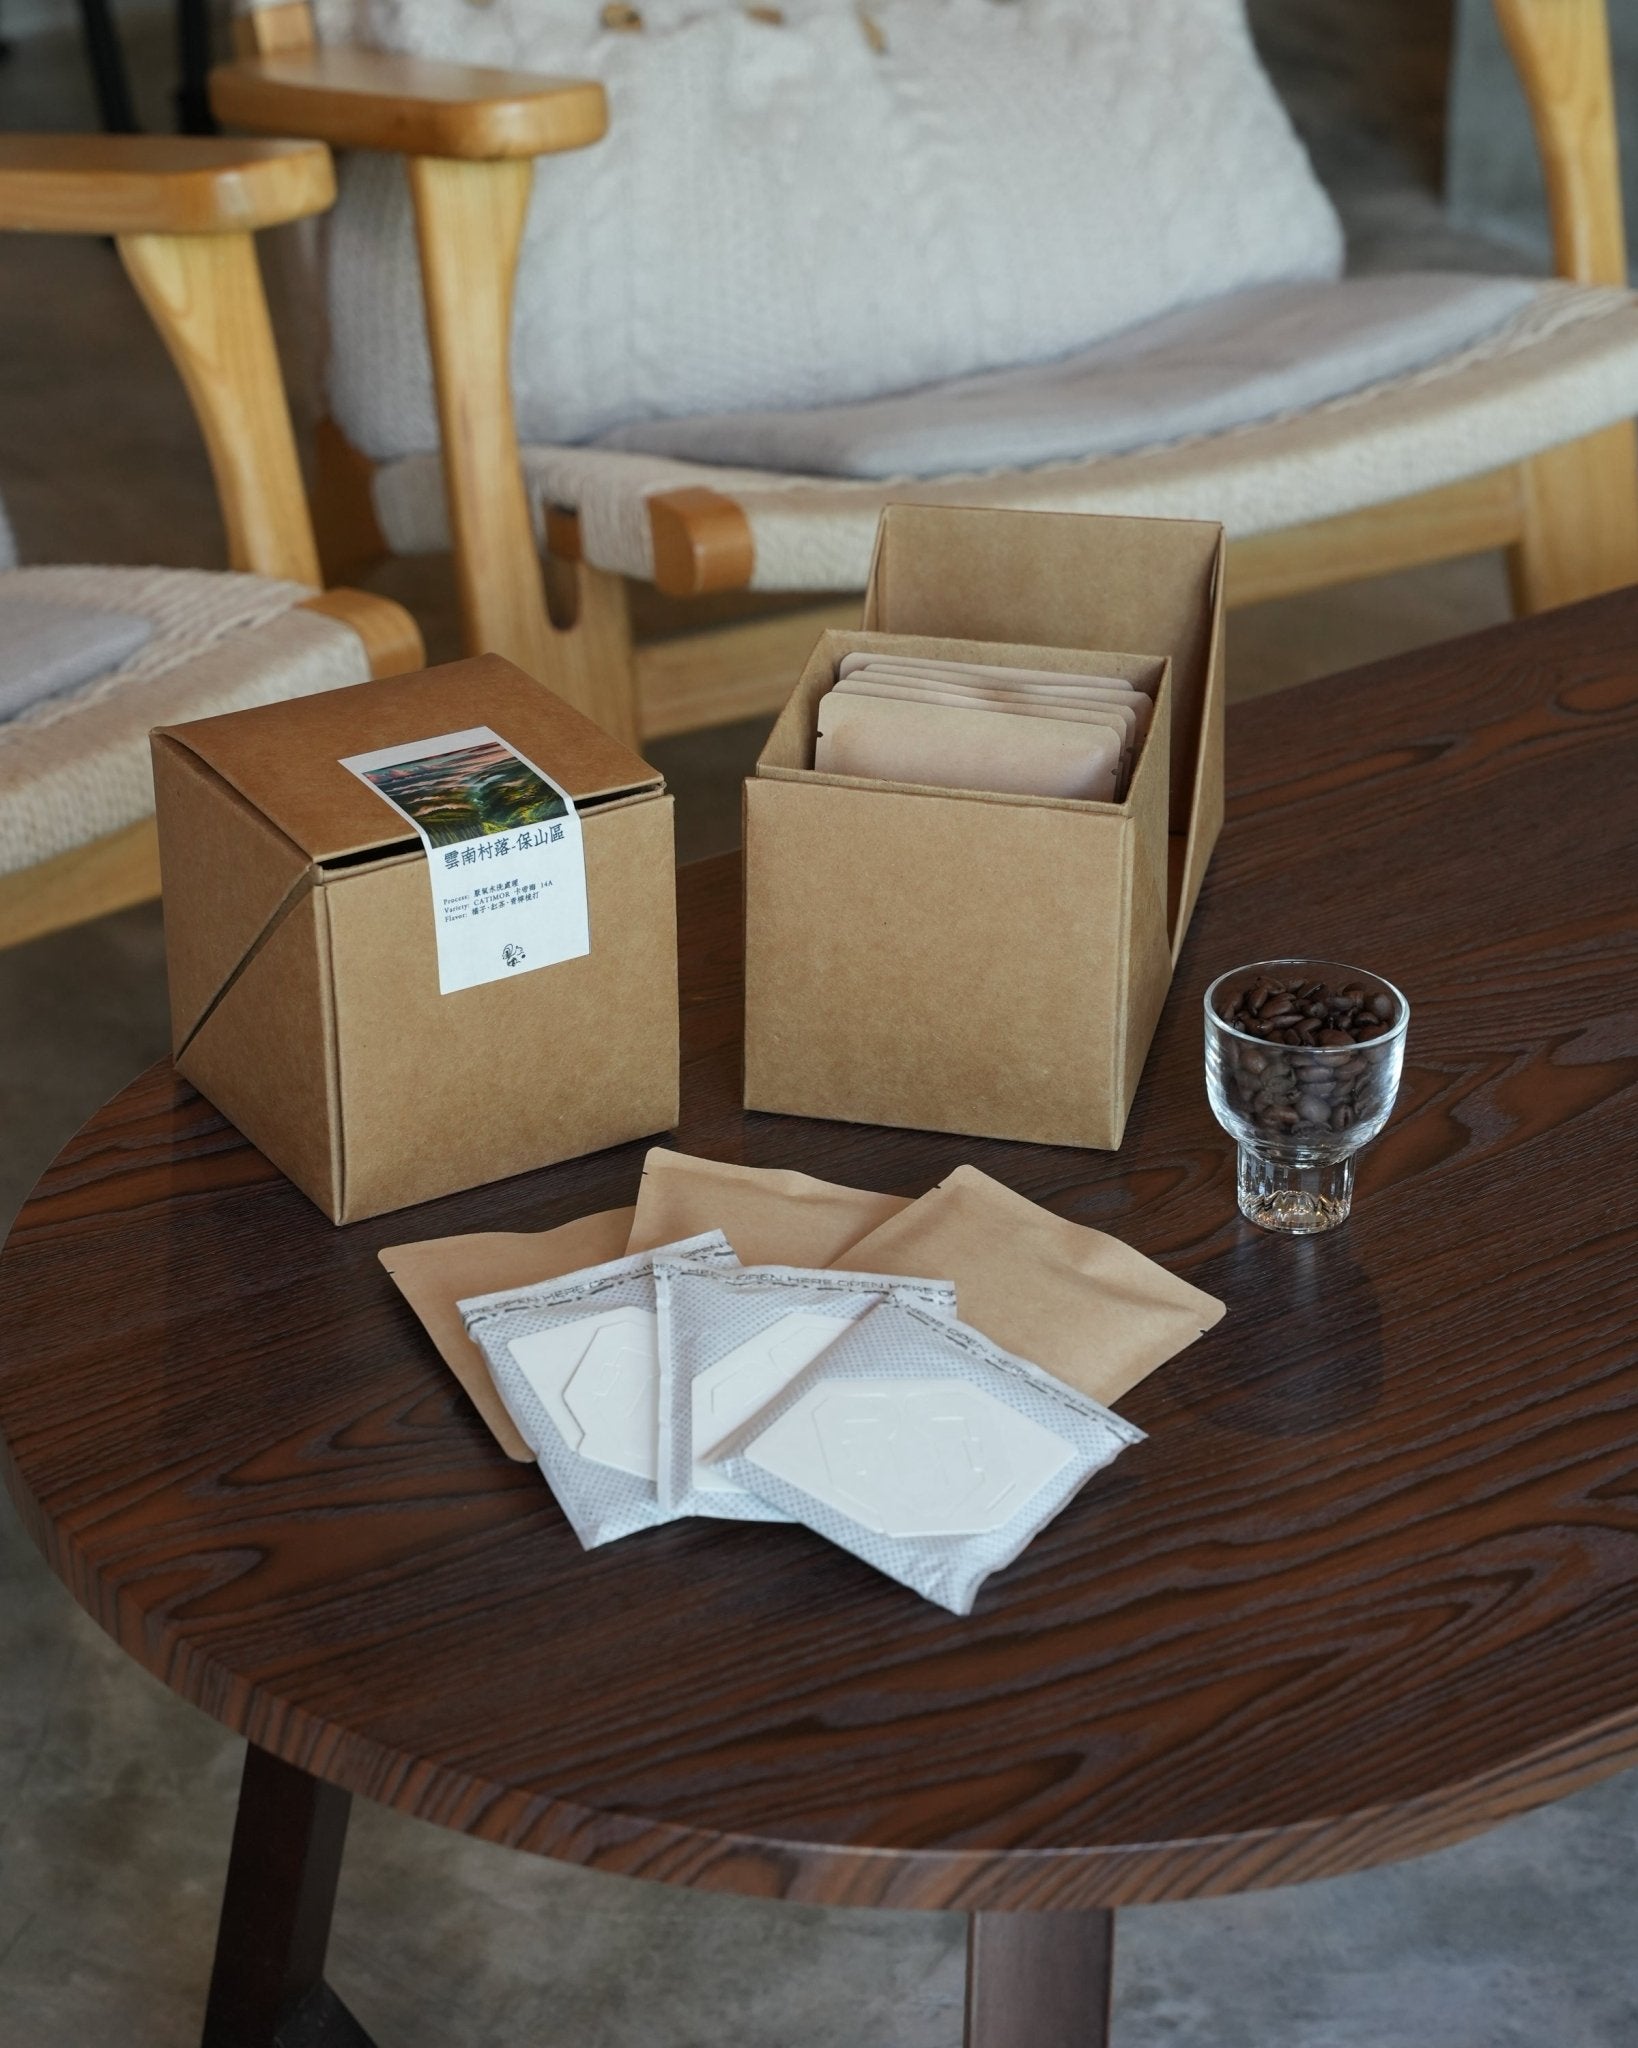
<point>303,966</point>
<point>1081,1305</point>
<point>770,1215</point>
<point>893,738</point>
<point>962,960</point>
<point>436,1274</point>
<point>1155,584</point>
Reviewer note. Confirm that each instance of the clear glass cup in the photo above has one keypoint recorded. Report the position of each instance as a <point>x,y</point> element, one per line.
<point>1300,1113</point>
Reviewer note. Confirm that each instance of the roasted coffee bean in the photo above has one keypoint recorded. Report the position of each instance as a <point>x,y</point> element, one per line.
<point>1313,1110</point>
<point>1341,1117</point>
<point>1308,1013</point>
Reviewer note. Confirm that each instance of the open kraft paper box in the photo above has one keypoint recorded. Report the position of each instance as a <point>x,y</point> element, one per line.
<point>956,960</point>
<point>303,965</point>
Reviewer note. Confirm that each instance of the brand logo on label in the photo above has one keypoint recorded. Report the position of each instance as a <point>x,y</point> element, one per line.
<point>514,956</point>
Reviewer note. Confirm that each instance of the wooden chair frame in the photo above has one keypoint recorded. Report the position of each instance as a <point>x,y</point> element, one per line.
<point>183,214</point>
<point>1568,517</point>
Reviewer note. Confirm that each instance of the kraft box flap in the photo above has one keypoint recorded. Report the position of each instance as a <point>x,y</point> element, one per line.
<point>1064,579</point>
<point>285,758</point>
<point>230,880</point>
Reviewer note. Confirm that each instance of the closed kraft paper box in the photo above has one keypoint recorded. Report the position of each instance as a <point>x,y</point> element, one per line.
<point>962,961</point>
<point>303,962</point>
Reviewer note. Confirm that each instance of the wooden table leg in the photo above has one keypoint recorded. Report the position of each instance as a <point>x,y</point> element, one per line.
<point>267,1987</point>
<point>1039,1980</point>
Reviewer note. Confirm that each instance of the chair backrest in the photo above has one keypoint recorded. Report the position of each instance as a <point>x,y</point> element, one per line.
<point>819,205</point>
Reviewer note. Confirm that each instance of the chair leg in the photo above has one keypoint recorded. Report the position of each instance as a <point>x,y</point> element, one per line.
<point>593,660</point>
<point>1579,511</point>
<point>193,60</point>
<point>110,79</point>
<point>350,540</point>
<point>469,219</point>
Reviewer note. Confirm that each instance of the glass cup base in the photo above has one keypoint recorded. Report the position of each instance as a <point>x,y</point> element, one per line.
<point>1294,1197</point>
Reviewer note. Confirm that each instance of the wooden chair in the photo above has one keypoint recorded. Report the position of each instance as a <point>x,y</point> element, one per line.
<point>1526,445</point>
<point>76,829</point>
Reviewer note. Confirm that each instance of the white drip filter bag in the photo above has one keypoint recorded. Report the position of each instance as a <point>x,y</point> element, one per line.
<point>731,1340</point>
<point>576,1361</point>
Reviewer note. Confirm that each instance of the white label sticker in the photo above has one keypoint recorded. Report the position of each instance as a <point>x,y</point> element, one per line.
<point>503,848</point>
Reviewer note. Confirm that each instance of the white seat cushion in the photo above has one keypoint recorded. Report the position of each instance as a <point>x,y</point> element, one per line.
<point>1277,348</point>
<point>47,648</point>
<point>788,216</point>
<point>1566,365</point>
<point>74,767</point>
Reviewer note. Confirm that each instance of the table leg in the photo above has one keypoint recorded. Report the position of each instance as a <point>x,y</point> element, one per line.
<point>267,1987</point>
<point>1039,1980</point>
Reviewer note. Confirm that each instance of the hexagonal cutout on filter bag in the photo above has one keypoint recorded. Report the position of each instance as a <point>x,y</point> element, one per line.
<point>728,1393</point>
<point>912,1458</point>
<point>598,1379</point>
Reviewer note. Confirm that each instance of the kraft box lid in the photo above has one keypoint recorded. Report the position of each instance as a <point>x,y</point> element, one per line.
<point>285,758</point>
<point>1075,579</point>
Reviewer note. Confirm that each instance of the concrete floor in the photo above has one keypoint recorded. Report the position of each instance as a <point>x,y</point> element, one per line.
<point>116,1799</point>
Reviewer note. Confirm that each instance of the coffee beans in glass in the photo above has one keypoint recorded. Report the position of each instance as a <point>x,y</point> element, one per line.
<point>1303,1059</point>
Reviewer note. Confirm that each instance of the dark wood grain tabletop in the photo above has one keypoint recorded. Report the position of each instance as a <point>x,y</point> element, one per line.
<point>1370,1584</point>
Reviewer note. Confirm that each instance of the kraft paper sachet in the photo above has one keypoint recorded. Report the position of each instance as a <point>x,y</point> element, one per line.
<point>883,740</point>
<point>770,1215</point>
<point>903,687</point>
<point>957,671</point>
<point>1020,686</point>
<point>1082,1305</point>
<point>437,1273</point>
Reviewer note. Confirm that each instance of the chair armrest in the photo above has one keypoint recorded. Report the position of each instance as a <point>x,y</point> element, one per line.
<point>158,184</point>
<point>361,99</point>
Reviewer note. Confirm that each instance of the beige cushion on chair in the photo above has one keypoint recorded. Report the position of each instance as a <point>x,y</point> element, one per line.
<point>74,767</point>
<point>1279,348</point>
<point>821,209</point>
<point>1563,366</point>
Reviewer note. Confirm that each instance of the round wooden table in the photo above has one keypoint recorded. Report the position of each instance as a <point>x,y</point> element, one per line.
<point>1370,1586</point>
